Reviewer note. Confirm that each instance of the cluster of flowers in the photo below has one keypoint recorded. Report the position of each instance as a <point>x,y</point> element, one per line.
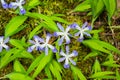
<point>43,45</point>
<point>14,5</point>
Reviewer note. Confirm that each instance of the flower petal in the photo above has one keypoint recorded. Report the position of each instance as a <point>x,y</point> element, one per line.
<point>32,42</point>
<point>1,48</point>
<point>84,25</point>
<point>74,25</point>
<point>77,34</point>
<point>1,38</point>
<point>29,49</point>
<point>48,37</point>
<point>22,11</point>
<point>66,66</point>
<point>73,62</point>
<point>62,53</point>
<point>67,49</point>
<point>61,59</point>
<point>80,40</point>
<point>13,5</point>
<point>67,29</point>
<point>87,34</point>
<point>67,39</point>
<point>60,27</point>
<point>73,54</point>
<point>6,40</point>
<point>61,40</point>
<point>46,50</point>
<point>6,47</point>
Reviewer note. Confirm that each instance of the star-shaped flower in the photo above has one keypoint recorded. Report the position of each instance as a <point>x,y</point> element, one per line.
<point>64,34</point>
<point>82,31</point>
<point>45,45</point>
<point>19,4</point>
<point>3,43</point>
<point>4,4</point>
<point>68,57</point>
<point>36,44</point>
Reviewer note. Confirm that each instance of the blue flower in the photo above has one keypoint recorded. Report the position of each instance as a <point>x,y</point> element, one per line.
<point>36,44</point>
<point>45,45</point>
<point>3,43</point>
<point>64,34</point>
<point>4,4</point>
<point>19,4</point>
<point>68,57</point>
<point>82,31</point>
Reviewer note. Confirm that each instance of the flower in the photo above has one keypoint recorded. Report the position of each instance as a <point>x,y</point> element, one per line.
<point>64,34</point>
<point>67,57</point>
<point>4,4</point>
<point>81,31</point>
<point>36,44</point>
<point>3,43</point>
<point>19,4</point>
<point>40,44</point>
<point>45,45</point>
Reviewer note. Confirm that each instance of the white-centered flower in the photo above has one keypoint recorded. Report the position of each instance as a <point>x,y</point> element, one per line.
<point>68,57</point>
<point>64,34</point>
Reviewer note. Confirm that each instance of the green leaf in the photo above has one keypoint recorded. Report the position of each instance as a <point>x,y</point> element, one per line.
<point>5,60</point>
<point>100,46</point>
<point>101,74</point>
<point>51,25</point>
<point>108,46</point>
<point>93,44</point>
<point>91,54</point>
<point>18,76</point>
<point>18,67</point>
<point>54,18</point>
<point>97,7</point>
<point>32,4</point>
<point>111,6</point>
<point>13,25</point>
<point>47,72</point>
<point>78,72</point>
<point>34,31</point>
<point>17,43</point>
<point>55,71</point>
<point>83,6</point>
<point>117,74</point>
<point>96,67</point>
<point>35,63</point>
<point>42,63</point>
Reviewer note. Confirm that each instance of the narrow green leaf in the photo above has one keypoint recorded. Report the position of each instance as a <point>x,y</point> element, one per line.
<point>95,45</point>
<point>96,67</point>
<point>91,54</point>
<point>18,67</point>
<point>42,64</point>
<point>111,6</point>
<point>54,18</point>
<point>35,63</point>
<point>101,74</point>
<point>5,60</point>
<point>32,4</point>
<point>78,72</point>
<point>97,7</point>
<point>83,6</point>
<point>13,25</point>
<point>34,31</point>
<point>47,71</point>
<point>18,76</point>
<point>55,72</point>
<point>108,46</point>
<point>50,23</point>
